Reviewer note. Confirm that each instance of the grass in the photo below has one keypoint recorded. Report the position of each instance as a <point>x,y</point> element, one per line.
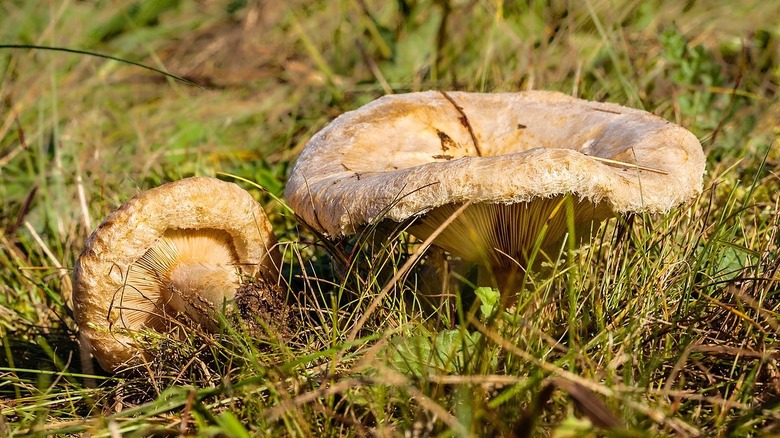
<point>669,328</point>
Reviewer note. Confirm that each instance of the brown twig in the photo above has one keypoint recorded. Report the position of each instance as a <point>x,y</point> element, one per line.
<point>187,414</point>
<point>371,64</point>
<point>464,120</point>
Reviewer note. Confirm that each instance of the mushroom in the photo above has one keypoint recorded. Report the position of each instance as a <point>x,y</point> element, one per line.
<point>521,161</point>
<point>180,248</point>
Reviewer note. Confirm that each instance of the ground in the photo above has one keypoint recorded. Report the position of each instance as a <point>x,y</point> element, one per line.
<point>665,324</point>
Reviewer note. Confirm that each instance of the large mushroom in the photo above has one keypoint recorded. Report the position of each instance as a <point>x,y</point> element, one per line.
<point>182,248</point>
<point>522,161</point>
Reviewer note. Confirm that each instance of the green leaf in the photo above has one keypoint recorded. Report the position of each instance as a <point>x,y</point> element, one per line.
<point>489,298</point>
<point>232,426</point>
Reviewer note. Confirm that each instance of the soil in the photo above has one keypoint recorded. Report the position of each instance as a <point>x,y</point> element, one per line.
<point>264,311</point>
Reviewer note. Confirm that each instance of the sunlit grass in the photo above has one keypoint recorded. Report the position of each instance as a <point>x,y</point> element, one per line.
<point>666,324</point>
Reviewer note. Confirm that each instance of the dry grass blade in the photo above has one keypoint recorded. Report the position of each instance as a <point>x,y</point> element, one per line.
<point>590,405</point>
<point>628,165</point>
<point>389,378</point>
<point>341,386</point>
<point>658,416</point>
<point>402,271</point>
<point>8,156</point>
<point>488,380</point>
<point>67,285</point>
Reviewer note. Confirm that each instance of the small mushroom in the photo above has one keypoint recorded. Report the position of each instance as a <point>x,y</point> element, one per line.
<point>521,160</point>
<point>180,248</point>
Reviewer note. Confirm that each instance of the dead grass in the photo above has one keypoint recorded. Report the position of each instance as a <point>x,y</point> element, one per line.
<point>668,328</point>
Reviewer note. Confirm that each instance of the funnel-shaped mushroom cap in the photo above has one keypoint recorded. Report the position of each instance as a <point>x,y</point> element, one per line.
<point>423,154</point>
<point>183,247</point>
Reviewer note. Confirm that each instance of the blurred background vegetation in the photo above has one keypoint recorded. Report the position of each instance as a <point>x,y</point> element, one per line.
<point>81,134</point>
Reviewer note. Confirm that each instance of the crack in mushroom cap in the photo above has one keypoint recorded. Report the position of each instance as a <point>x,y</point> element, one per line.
<point>180,247</point>
<point>401,156</point>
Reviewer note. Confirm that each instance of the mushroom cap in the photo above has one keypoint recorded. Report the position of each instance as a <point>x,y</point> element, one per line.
<point>401,156</point>
<point>220,220</point>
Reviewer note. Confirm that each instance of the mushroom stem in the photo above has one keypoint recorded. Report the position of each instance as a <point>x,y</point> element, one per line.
<point>198,289</point>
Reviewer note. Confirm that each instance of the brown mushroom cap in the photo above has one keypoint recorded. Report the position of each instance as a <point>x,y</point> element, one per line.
<point>423,154</point>
<point>182,247</point>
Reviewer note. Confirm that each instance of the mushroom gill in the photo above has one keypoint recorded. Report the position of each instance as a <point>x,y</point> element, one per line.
<point>505,238</point>
<point>187,271</point>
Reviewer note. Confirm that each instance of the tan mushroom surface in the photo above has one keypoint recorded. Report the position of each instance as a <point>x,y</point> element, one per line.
<point>182,248</point>
<point>522,160</point>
